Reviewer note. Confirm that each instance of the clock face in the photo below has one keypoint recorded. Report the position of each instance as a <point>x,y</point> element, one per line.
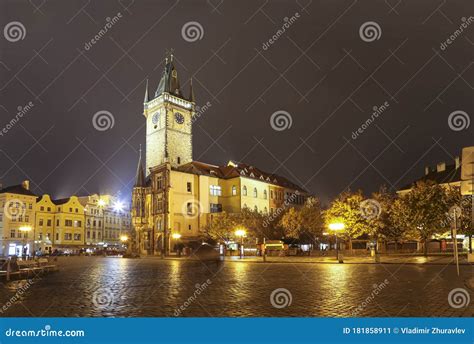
<point>155,118</point>
<point>179,118</point>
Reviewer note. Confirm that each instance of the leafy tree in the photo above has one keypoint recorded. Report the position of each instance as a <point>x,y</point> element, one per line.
<point>221,226</point>
<point>346,208</point>
<point>465,204</point>
<point>424,209</point>
<point>380,224</point>
<point>304,223</point>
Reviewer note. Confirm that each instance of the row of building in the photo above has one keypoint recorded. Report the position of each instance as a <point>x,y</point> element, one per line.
<point>32,224</point>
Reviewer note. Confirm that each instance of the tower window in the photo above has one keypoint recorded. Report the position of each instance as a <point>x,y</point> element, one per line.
<point>189,187</point>
<point>179,160</point>
<point>244,191</point>
<point>255,194</point>
<point>234,190</point>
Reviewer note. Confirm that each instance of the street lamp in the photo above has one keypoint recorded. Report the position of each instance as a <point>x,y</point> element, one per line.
<point>337,226</point>
<point>177,236</point>
<point>124,238</point>
<point>25,229</point>
<point>241,233</point>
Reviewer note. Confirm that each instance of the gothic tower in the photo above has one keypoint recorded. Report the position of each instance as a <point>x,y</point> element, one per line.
<point>168,121</point>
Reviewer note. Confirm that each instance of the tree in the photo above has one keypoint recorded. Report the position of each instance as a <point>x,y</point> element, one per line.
<point>423,210</point>
<point>464,204</point>
<point>221,226</point>
<point>379,221</point>
<point>304,223</point>
<point>346,208</point>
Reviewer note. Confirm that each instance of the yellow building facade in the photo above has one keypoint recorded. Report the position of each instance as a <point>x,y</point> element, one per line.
<point>176,195</point>
<point>17,220</point>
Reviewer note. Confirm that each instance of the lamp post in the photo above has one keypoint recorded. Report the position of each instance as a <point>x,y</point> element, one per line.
<point>337,226</point>
<point>25,230</point>
<point>241,233</point>
<point>177,236</point>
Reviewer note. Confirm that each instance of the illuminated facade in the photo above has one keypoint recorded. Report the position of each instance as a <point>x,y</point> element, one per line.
<point>175,194</point>
<point>17,220</point>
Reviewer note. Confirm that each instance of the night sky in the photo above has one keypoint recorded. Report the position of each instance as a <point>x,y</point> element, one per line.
<point>321,71</point>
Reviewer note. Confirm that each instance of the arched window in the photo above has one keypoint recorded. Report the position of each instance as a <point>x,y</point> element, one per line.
<point>255,194</point>
<point>234,190</point>
<point>244,191</point>
<point>265,194</point>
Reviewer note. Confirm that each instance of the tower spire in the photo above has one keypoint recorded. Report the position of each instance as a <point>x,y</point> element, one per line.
<point>147,98</point>
<point>140,177</point>
<point>191,91</point>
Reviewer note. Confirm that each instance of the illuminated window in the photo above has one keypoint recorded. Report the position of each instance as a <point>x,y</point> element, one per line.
<point>234,190</point>
<point>215,190</point>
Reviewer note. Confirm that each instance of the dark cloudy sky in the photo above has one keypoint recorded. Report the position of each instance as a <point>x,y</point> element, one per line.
<point>321,71</point>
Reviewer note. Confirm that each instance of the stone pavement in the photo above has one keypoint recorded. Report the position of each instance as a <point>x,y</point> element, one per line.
<point>119,287</point>
<point>384,259</point>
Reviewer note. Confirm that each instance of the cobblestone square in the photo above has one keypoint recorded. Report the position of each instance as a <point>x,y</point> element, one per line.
<point>116,287</point>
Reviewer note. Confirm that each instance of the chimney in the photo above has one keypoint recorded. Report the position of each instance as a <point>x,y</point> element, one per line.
<point>441,166</point>
<point>26,184</point>
<point>457,161</point>
<point>427,170</point>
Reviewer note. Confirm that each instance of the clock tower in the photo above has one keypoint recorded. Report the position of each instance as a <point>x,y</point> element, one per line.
<point>169,117</point>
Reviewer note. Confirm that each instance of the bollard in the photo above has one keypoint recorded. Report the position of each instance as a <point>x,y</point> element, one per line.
<point>8,270</point>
